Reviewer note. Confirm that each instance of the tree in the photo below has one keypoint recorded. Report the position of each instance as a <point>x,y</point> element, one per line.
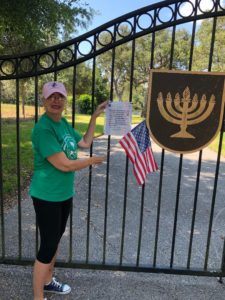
<point>182,48</point>
<point>121,68</point>
<point>203,45</point>
<point>122,63</point>
<point>162,49</point>
<point>101,87</point>
<point>142,58</point>
<point>27,25</point>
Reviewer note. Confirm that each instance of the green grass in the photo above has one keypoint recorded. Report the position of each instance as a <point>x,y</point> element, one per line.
<point>9,154</point>
<point>9,148</point>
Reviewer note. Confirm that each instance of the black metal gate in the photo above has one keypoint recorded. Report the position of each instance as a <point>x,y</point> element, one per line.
<point>175,222</point>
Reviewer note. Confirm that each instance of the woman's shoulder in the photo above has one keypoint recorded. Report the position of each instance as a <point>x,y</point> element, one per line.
<point>64,120</point>
<point>41,125</point>
<point>65,123</point>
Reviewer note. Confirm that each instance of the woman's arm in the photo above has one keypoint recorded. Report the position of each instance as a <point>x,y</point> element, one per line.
<point>88,136</point>
<point>61,162</point>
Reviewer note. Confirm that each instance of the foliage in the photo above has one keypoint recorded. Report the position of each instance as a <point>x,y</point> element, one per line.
<point>142,58</point>
<point>218,63</point>
<point>29,25</point>
<point>121,68</point>
<point>203,46</point>
<point>162,49</point>
<point>83,79</point>
<point>84,104</point>
<point>83,82</point>
<point>101,87</point>
<point>138,102</point>
<point>181,50</point>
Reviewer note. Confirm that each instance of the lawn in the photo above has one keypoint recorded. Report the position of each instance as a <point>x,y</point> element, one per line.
<point>10,159</point>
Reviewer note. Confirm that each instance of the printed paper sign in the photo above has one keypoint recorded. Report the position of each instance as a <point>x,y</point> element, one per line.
<point>118,116</point>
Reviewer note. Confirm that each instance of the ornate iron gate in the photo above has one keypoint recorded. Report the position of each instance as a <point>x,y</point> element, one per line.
<point>175,222</point>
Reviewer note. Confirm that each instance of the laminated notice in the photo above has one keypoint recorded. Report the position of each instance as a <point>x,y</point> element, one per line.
<point>118,117</point>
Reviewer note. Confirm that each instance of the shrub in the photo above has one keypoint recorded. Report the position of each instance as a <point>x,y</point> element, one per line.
<point>8,101</point>
<point>84,104</point>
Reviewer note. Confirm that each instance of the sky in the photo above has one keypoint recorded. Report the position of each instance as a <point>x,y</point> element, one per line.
<point>108,10</point>
<point>111,9</point>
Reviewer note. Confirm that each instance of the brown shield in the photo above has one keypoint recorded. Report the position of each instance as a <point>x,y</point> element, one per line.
<point>185,109</point>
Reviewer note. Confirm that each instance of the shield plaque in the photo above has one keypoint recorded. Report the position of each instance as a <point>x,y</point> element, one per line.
<point>185,109</point>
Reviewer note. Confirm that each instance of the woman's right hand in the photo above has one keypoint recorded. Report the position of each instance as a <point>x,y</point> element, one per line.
<point>60,161</point>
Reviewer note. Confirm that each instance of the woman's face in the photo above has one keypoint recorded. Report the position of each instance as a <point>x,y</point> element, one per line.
<point>55,103</point>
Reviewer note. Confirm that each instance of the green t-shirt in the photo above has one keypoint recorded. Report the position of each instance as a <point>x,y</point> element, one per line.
<point>48,138</point>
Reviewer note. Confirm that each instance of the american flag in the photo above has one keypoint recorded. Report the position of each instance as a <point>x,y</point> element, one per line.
<point>137,146</point>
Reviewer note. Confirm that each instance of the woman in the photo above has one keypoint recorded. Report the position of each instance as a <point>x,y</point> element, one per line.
<point>55,145</point>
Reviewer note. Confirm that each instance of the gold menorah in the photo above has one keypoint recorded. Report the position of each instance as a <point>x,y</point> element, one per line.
<point>185,111</point>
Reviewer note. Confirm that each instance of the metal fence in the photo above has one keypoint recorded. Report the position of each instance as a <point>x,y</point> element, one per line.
<point>172,224</point>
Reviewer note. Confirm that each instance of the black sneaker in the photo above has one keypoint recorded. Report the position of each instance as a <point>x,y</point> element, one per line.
<point>57,287</point>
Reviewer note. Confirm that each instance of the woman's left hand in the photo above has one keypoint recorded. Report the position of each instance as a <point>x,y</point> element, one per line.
<point>100,109</point>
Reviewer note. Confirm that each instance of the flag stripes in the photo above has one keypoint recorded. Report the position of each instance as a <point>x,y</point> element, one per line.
<point>143,162</point>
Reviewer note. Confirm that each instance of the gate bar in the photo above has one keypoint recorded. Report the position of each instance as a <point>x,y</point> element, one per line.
<point>194,209</point>
<point>18,168</point>
<point>2,240</point>
<point>128,268</point>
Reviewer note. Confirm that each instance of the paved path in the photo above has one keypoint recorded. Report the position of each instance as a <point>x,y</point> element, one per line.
<point>15,281</point>
<point>16,284</point>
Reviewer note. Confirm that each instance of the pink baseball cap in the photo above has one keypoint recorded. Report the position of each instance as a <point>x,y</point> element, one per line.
<point>53,87</point>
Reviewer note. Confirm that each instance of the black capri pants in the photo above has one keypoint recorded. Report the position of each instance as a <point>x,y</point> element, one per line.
<point>51,219</point>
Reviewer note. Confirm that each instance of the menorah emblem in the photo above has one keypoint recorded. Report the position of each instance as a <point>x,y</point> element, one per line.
<point>185,111</point>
